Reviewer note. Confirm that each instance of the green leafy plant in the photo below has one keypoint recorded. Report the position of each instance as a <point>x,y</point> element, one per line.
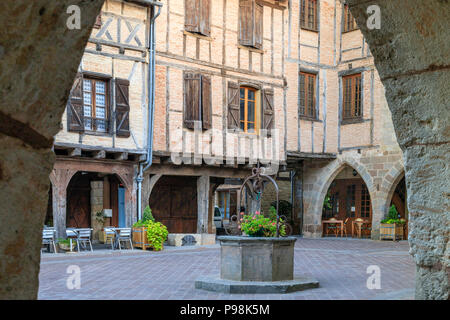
<point>393,217</point>
<point>327,202</point>
<point>272,213</point>
<point>100,217</point>
<point>259,226</point>
<point>156,234</point>
<point>63,241</point>
<point>146,217</point>
<point>284,208</point>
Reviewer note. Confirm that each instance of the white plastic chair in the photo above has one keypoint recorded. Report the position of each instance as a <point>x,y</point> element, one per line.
<point>48,237</point>
<point>124,235</point>
<point>84,235</point>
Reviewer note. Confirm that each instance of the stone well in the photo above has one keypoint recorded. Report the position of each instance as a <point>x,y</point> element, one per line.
<point>256,265</point>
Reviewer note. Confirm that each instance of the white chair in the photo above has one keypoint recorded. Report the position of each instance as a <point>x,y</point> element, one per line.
<point>110,234</point>
<point>84,235</point>
<point>124,235</point>
<point>48,237</point>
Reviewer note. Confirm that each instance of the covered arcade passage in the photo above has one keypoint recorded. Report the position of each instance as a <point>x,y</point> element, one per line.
<point>347,201</point>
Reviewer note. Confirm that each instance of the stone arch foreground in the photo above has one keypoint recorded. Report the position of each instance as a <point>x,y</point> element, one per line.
<point>412,53</point>
<point>39,59</point>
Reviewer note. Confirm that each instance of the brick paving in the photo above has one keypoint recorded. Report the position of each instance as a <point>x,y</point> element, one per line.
<point>339,265</point>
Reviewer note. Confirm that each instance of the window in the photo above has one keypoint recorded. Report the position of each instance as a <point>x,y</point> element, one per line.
<point>88,108</point>
<point>250,109</point>
<point>250,23</point>
<point>365,202</point>
<point>308,15</point>
<point>351,97</point>
<point>247,109</point>
<point>307,95</point>
<point>95,105</point>
<point>349,21</point>
<point>197,101</point>
<point>197,13</point>
<point>351,201</point>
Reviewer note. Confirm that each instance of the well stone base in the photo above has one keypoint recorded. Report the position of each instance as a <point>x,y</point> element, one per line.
<point>229,286</point>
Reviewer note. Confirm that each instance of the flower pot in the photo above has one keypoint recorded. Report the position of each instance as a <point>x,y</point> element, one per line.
<point>64,247</point>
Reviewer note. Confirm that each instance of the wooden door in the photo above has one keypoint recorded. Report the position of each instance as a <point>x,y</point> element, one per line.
<point>174,203</point>
<point>79,203</point>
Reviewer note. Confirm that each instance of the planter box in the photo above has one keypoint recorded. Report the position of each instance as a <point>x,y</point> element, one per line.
<point>391,231</point>
<point>139,237</point>
<point>66,247</point>
<point>257,258</point>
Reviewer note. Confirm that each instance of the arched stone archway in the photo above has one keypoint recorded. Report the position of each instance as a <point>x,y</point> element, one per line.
<point>411,52</point>
<point>315,190</point>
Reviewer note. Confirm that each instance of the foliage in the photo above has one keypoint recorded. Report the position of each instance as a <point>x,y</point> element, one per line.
<point>156,234</point>
<point>259,226</point>
<point>100,217</point>
<point>272,213</point>
<point>63,241</point>
<point>327,202</point>
<point>147,217</point>
<point>393,217</point>
<point>284,208</point>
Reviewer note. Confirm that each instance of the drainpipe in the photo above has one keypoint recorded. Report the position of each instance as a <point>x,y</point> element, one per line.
<point>151,99</point>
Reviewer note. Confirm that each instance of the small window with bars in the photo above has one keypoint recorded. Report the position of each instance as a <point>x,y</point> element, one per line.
<point>349,21</point>
<point>95,105</point>
<point>307,100</point>
<point>308,15</point>
<point>351,104</point>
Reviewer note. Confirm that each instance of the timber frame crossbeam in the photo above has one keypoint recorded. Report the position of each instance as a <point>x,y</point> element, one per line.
<point>98,152</point>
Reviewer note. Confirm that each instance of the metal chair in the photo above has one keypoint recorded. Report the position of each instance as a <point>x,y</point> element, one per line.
<point>124,235</point>
<point>84,235</point>
<point>109,235</point>
<point>48,237</point>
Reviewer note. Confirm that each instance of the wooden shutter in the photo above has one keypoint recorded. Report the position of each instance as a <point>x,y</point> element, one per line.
<point>206,103</point>
<point>75,113</point>
<point>122,108</point>
<point>192,93</point>
<point>268,110</point>
<point>204,23</point>
<point>192,15</point>
<point>233,106</point>
<point>246,22</point>
<point>258,36</point>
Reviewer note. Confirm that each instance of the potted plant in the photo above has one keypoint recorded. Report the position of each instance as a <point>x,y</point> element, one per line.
<point>147,233</point>
<point>392,226</point>
<point>64,244</point>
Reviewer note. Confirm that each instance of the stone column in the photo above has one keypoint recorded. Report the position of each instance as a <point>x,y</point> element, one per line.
<point>203,192</point>
<point>417,86</point>
<point>297,201</point>
<point>96,206</point>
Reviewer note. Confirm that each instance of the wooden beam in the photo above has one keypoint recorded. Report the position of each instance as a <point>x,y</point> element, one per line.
<point>75,152</point>
<point>121,156</point>
<point>101,154</point>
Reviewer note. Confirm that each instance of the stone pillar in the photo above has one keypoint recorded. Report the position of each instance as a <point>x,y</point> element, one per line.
<point>96,206</point>
<point>203,193</point>
<point>59,199</point>
<point>417,86</point>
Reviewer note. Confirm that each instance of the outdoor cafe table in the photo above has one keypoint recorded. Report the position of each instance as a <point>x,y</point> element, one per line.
<point>341,222</point>
<point>359,224</point>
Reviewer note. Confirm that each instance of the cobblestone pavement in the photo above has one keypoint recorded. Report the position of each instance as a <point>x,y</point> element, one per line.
<point>340,265</point>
